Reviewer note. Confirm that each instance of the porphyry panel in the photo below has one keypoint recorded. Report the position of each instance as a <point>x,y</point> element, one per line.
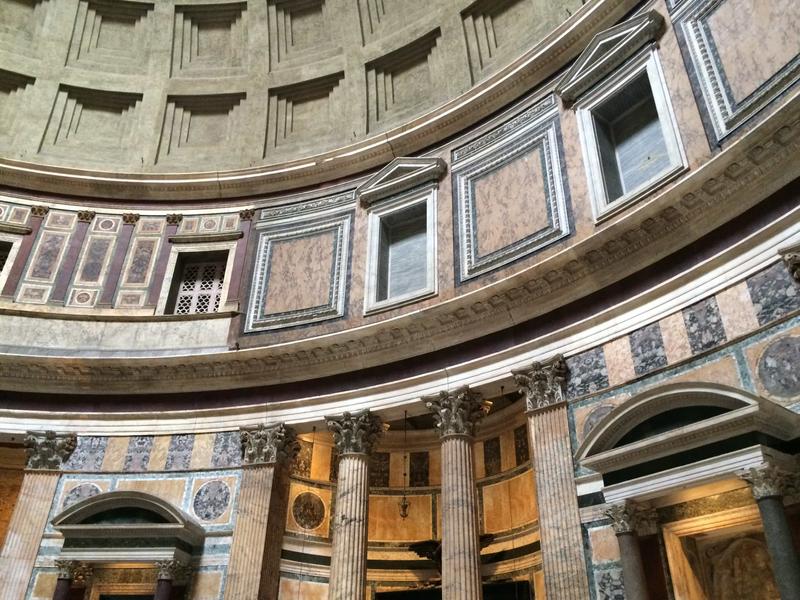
<point>509,194</point>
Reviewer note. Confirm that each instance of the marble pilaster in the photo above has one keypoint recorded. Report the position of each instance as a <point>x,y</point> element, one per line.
<point>355,436</point>
<point>254,566</point>
<point>457,413</point>
<point>564,563</point>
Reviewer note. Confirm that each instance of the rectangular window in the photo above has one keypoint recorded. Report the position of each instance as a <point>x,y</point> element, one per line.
<point>198,283</point>
<point>401,260</point>
<point>629,135</point>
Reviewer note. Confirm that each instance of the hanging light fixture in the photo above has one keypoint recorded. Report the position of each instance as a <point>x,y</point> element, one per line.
<point>404,504</point>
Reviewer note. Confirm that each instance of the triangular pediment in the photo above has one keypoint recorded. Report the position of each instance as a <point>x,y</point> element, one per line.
<point>607,51</point>
<point>398,176</point>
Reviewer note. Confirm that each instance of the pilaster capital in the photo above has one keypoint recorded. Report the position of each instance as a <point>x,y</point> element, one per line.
<point>767,481</point>
<point>543,383</point>
<point>86,216</point>
<point>247,214</point>
<point>78,572</point>
<point>269,445</point>
<point>791,257</point>
<point>46,450</point>
<point>173,569</point>
<point>457,412</point>
<point>623,518</point>
<point>130,218</point>
<point>355,433</point>
<point>174,218</point>
<point>39,211</point>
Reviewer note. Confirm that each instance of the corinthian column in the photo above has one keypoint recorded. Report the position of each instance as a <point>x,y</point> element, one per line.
<point>354,436</point>
<point>559,521</point>
<point>769,484</point>
<point>71,573</point>
<point>456,414</point>
<point>46,453</point>
<point>254,567</point>
<point>623,520</point>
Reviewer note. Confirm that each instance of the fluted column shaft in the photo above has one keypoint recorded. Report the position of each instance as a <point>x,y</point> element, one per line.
<point>559,521</point>
<point>25,531</point>
<point>461,552</point>
<point>349,551</point>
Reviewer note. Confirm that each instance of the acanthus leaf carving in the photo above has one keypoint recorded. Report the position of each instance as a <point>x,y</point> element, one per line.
<point>355,433</point>
<point>269,445</point>
<point>543,384</point>
<point>457,412</point>
<point>767,481</point>
<point>48,450</point>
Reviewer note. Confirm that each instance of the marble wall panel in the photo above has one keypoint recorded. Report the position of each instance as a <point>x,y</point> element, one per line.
<point>47,256</point>
<point>398,469</point>
<point>736,308</point>
<point>774,293</point>
<point>587,373</point>
<point>508,504</point>
<point>94,260</point>
<point>140,261</point>
<point>202,451</point>
<point>419,469</point>
<point>297,488</point>
<point>171,490</point>
<point>773,361</point>
<point>647,349</point>
<point>491,456</point>
<point>704,325</point>
<point>297,588</point>
<point>179,454</point>
<point>211,500</point>
<point>508,459</point>
<point>138,456</point>
<point>10,484</point>
<point>116,453</point>
<point>603,542</point>
<point>321,462</point>
<point>158,453</point>
<point>619,361</point>
<point>676,340</point>
<point>43,585</point>
<point>302,464</point>
<point>386,524</point>
<point>88,454</point>
<point>227,450</point>
<point>521,449</point>
<point>379,469</point>
<point>207,585</point>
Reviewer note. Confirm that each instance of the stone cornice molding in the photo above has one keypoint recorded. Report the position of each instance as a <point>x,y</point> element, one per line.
<point>355,433</point>
<point>49,451</point>
<point>269,445</point>
<point>174,570</point>
<point>457,412</point>
<point>543,384</point>
<point>15,229</point>
<point>744,173</point>
<point>205,238</point>
<point>547,57</point>
<point>398,176</point>
<point>769,481</point>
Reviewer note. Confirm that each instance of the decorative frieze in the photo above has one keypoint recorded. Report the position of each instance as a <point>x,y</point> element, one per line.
<point>544,383</point>
<point>267,445</point>
<point>355,433</point>
<point>457,412</point>
<point>48,450</point>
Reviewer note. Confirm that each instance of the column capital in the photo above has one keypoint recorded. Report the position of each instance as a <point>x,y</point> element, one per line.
<point>174,219</point>
<point>77,572</point>
<point>457,412</point>
<point>86,216</point>
<point>767,481</point>
<point>130,218</point>
<point>269,445</point>
<point>247,214</point>
<point>46,450</point>
<point>173,570</point>
<point>543,383</point>
<point>623,518</point>
<point>791,257</point>
<point>39,211</point>
<point>355,433</point>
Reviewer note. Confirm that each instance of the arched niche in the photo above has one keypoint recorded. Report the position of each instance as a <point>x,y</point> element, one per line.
<point>127,526</point>
<point>681,434</point>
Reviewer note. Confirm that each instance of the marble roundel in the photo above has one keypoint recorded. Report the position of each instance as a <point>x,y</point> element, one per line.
<point>308,510</point>
<point>777,368</point>
<point>212,500</point>
<point>80,492</point>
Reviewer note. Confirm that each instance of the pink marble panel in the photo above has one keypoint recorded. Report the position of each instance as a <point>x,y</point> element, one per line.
<point>300,273</point>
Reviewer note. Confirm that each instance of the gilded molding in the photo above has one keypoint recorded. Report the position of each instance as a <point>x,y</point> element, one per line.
<point>544,383</point>
<point>48,450</point>
<point>457,412</point>
<point>355,433</point>
<point>269,445</point>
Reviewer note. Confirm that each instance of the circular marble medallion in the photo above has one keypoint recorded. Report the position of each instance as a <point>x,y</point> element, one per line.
<point>777,368</point>
<point>211,501</point>
<point>80,492</point>
<point>308,510</point>
<point>83,297</point>
<point>106,224</point>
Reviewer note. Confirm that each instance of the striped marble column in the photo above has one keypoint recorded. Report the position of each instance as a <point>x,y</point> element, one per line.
<point>563,559</point>
<point>46,453</point>
<point>355,436</point>
<point>456,414</point>
<point>254,566</point>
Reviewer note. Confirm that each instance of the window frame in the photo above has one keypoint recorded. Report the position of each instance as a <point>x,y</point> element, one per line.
<point>645,62</point>
<point>16,241</point>
<point>174,262</point>
<point>376,213</point>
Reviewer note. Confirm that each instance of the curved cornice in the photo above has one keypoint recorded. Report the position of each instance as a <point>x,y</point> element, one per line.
<point>533,67</point>
<point>738,178</point>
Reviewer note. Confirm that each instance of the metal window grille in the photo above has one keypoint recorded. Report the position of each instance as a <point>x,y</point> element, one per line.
<point>200,289</point>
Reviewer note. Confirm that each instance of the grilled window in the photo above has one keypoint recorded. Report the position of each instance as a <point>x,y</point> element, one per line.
<point>197,285</point>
